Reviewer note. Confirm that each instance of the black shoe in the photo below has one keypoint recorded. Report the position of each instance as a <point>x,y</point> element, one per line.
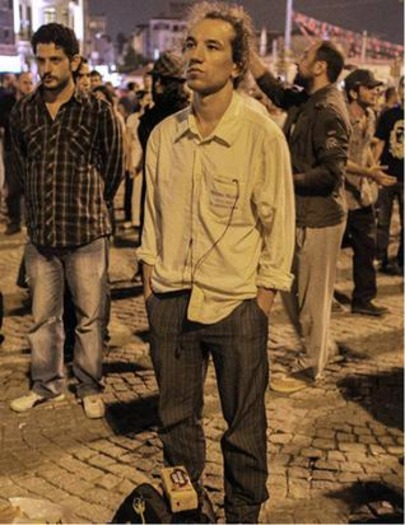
<point>368,308</point>
<point>391,268</point>
<point>12,229</point>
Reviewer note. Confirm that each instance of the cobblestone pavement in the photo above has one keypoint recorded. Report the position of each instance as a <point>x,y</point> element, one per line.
<point>335,451</point>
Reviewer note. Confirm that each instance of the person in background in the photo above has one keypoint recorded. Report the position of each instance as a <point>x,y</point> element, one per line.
<point>217,244</point>
<point>8,84</point>
<point>318,130</point>
<point>363,178</point>
<point>13,200</point>
<point>82,76</point>
<point>134,164</point>
<point>389,151</point>
<point>391,99</point>
<point>68,155</point>
<point>168,95</point>
<point>95,79</point>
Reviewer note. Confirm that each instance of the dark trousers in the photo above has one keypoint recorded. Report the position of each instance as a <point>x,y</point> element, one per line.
<point>128,188</point>
<point>386,200</point>
<point>360,234</point>
<point>238,345</point>
<point>14,193</point>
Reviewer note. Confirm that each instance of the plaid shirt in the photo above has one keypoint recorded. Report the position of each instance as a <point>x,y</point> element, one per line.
<point>69,167</point>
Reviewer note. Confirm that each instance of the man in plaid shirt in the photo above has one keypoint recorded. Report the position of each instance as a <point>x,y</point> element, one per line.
<point>68,153</point>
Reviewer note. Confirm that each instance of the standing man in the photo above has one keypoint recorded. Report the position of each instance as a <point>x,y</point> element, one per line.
<point>390,151</point>
<point>363,177</point>
<point>25,85</point>
<point>317,129</point>
<point>68,154</point>
<point>169,96</point>
<point>216,247</point>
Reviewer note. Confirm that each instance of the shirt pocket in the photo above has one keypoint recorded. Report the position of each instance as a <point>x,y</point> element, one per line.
<point>79,142</point>
<point>35,141</point>
<point>224,196</point>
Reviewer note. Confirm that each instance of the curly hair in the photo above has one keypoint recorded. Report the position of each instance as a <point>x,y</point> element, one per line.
<point>241,22</point>
<point>58,34</point>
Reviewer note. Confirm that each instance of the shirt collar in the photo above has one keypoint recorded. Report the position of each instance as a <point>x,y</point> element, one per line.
<point>78,96</point>
<point>227,129</point>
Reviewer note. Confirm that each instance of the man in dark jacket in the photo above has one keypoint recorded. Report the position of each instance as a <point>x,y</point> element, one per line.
<point>169,96</point>
<point>317,129</point>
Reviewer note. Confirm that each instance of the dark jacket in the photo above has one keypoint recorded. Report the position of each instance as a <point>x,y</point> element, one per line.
<point>318,131</point>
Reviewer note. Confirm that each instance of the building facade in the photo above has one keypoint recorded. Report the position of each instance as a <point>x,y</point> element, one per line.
<point>19,19</point>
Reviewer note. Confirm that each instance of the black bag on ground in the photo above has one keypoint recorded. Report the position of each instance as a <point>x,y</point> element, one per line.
<point>143,505</point>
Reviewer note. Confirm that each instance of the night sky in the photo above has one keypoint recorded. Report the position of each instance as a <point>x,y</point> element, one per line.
<point>381,18</point>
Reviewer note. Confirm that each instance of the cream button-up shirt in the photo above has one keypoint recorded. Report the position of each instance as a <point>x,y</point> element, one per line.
<point>219,217</point>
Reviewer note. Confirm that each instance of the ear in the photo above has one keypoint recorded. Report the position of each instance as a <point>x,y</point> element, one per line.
<point>354,95</point>
<point>75,63</point>
<point>320,67</point>
<point>236,71</point>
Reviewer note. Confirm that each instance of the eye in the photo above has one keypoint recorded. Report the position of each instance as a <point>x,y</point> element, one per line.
<point>189,44</point>
<point>212,47</point>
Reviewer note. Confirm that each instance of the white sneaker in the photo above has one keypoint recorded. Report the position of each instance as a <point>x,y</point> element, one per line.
<point>94,407</point>
<point>32,399</point>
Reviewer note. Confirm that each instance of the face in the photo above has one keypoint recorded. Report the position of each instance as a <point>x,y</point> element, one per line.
<point>95,81</point>
<point>25,83</point>
<point>83,78</point>
<point>307,67</point>
<point>367,96</point>
<point>54,67</point>
<point>208,53</point>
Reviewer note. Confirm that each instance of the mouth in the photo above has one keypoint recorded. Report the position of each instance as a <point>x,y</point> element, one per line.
<point>194,71</point>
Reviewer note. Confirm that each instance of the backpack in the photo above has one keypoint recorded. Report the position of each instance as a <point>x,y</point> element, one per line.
<point>145,504</point>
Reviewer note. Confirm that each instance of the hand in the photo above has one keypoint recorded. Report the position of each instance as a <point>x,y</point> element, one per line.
<point>265,298</point>
<point>381,178</point>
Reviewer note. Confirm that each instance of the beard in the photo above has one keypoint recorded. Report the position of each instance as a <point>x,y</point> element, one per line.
<point>302,82</point>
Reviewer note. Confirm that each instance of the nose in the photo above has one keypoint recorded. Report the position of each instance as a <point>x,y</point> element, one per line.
<point>196,54</point>
<point>46,66</point>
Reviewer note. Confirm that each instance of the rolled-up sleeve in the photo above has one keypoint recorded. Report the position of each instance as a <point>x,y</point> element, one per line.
<point>274,200</point>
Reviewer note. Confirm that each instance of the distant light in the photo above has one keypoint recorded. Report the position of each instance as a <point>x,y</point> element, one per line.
<point>156,54</point>
<point>11,64</point>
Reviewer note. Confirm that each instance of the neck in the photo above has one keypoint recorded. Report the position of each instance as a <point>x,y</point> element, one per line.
<point>319,83</point>
<point>61,95</point>
<point>209,108</point>
<point>356,110</point>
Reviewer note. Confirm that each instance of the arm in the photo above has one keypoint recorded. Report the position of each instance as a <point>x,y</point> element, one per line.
<point>373,171</point>
<point>111,145</point>
<point>148,251</point>
<point>276,91</point>
<point>274,199</point>
<point>330,144</point>
<point>378,149</point>
<point>147,271</point>
<point>18,149</point>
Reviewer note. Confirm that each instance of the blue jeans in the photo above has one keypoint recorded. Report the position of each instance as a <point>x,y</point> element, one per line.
<point>85,271</point>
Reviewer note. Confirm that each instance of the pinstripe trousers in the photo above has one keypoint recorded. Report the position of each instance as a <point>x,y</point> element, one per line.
<point>238,346</point>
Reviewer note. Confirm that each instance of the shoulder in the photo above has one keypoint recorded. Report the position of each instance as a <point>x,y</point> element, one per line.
<point>258,122</point>
<point>332,106</point>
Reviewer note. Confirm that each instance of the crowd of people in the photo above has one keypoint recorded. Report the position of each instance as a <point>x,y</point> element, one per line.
<point>231,210</point>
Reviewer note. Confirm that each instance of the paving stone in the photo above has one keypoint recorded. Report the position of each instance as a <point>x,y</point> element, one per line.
<point>320,441</point>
